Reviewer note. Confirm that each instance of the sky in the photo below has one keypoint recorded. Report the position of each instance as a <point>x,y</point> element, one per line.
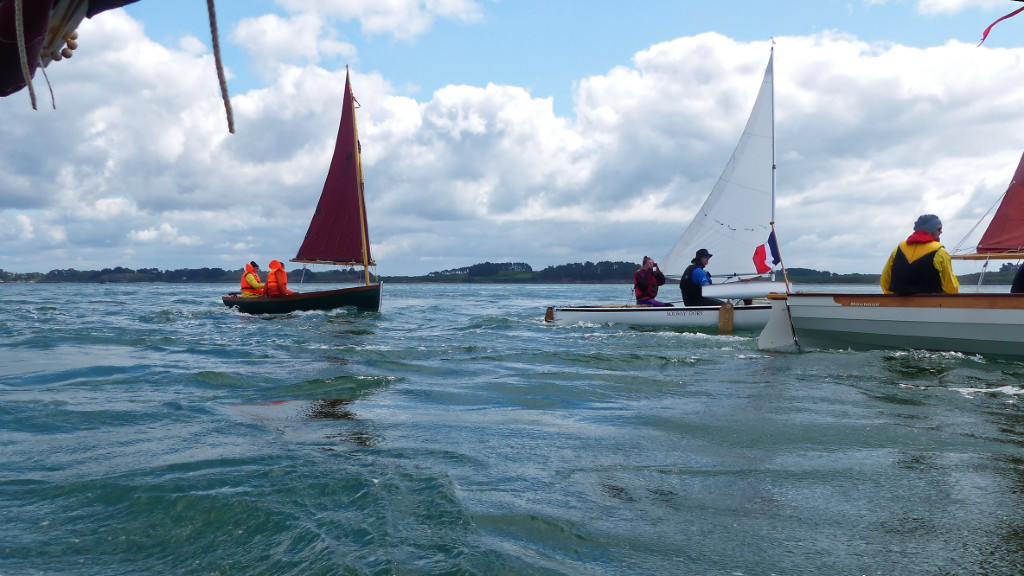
<point>537,131</point>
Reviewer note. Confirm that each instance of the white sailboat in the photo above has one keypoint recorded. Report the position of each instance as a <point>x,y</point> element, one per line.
<point>734,221</point>
<point>978,323</point>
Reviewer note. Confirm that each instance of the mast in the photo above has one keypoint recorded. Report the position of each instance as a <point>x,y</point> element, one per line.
<point>771,62</point>
<point>364,235</point>
<point>785,275</point>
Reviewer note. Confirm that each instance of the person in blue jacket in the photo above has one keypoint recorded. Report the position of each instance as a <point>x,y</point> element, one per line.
<point>695,277</point>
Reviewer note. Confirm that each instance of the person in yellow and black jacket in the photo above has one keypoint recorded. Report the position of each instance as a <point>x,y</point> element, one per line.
<point>920,264</point>
<point>252,286</point>
<point>277,281</point>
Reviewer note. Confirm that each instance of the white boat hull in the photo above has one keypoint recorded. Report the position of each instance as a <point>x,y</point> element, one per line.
<point>991,324</point>
<point>745,318</point>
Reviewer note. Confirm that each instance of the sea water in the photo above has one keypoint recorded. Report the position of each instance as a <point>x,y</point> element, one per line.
<point>148,429</point>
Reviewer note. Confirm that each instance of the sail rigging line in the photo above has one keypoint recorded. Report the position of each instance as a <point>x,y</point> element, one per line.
<point>19,30</point>
<point>981,277</point>
<point>53,100</point>
<point>220,66</point>
<point>956,249</point>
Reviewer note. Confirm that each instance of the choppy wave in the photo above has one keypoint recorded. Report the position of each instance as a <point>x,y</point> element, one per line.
<point>148,429</point>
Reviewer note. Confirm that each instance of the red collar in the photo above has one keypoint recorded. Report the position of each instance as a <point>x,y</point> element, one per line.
<point>921,237</point>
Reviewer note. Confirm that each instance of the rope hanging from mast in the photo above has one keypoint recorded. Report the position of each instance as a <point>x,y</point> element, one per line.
<point>70,20</point>
<point>220,66</point>
<point>19,28</point>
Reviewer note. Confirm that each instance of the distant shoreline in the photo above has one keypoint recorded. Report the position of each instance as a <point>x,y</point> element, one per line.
<point>485,273</point>
<point>991,279</point>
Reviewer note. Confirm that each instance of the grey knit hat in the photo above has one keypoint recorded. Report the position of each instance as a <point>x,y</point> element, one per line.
<point>928,223</point>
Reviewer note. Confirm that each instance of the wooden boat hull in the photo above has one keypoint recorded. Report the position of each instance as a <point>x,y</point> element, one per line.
<point>745,318</point>
<point>991,324</point>
<point>361,297</point>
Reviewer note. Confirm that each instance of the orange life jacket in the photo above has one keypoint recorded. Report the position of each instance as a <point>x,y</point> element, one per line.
<point>272,288</point>
<point>277,280</point>
<point>247,288</point>
<point>277,283</point>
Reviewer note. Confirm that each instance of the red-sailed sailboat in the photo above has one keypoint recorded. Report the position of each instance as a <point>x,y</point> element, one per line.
<point>337,233</point>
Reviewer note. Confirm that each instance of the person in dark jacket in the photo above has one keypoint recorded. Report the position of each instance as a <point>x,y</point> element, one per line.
<point>694,279</point>
<point>645,283</point>
<point>1018,281</point>
<point>920,264</point>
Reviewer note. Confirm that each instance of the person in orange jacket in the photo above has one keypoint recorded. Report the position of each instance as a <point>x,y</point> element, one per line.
<point>252,286</point>
<point>277,281</point>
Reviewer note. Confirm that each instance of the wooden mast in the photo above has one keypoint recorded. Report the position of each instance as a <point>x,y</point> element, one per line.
<point>363,235</point>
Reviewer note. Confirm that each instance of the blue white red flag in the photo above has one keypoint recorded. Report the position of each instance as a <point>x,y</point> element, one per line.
<point>766,256</point>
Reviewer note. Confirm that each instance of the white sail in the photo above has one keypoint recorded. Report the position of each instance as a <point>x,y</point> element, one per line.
<point>736,217</point>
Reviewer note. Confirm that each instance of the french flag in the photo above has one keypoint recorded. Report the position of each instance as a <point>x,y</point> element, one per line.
<point>766,256</point>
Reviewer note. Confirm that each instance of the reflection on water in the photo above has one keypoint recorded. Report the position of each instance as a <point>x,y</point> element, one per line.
<point>362,439</point>
<point>329,410</point>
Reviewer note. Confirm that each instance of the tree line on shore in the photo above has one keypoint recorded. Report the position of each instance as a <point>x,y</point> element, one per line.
<point>604,272</point>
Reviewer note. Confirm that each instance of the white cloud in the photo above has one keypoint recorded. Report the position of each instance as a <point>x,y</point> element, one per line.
<point>20,229</point>
<point>108,208</point>
<point>165,234</point>
<point>272,40</point>
<point>136,162</point>
<point>404,19</point>
<point>24,229</point>
<point>954,6</point>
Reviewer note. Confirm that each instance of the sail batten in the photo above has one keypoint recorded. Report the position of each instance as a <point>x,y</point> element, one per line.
<point>332,262</point>
<point>338,232</point>
<point>736,217</point>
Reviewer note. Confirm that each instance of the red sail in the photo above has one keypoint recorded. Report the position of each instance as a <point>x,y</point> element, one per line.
<point>1006,231</point>
<point>337,233</point>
